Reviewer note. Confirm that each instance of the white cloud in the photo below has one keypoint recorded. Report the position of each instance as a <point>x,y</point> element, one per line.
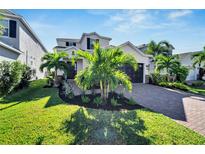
<point>127,19</point>
<point>179,13</point>
<point>132,20</point>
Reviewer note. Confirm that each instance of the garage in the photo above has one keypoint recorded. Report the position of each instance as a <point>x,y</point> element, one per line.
<point>135,76</point>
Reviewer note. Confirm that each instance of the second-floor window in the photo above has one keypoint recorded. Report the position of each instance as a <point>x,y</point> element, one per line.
<point>5,24</point>
<point>90,43</point>
<point>9,27</point>
<point>70,44</point>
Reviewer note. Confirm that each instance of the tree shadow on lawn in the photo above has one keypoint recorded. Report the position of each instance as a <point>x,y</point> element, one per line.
<point>91,126</point>
<point>34,94</point>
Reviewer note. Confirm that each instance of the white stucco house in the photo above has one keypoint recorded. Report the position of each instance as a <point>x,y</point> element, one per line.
<point>85,42</point>
<point>186,60</point>
<point>19,42</point>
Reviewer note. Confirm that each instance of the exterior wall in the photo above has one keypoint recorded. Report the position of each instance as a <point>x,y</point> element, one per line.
<point>186,60</point>
<point>13,42</point>
<point>140,59</point>
<point>63,43</point>
<point>32,50</point>
<point>8,55</point>
<point>103,42</point>
<point>25,42</point>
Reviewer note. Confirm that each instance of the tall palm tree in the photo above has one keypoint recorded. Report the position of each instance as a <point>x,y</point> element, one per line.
<point>1,26</point>
<point>163,47</point>
<point>166,63</point>
<point>199,58</point>
<point>54,61</point>
<point>104,69</point>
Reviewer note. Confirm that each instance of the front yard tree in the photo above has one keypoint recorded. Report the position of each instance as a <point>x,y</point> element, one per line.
<point>199,58</point>
<point>166,63</point>
<point>104,69</point>
<point>54,61</point>
<point>163,47</point>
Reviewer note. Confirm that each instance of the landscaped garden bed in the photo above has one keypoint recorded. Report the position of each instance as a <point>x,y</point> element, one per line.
<point>114,102</point>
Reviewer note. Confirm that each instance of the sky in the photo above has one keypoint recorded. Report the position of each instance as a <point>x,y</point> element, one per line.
<point>184,29</point>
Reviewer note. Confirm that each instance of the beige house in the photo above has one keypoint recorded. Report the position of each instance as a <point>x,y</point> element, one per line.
<point>86,41</point>
<point>19,42</point>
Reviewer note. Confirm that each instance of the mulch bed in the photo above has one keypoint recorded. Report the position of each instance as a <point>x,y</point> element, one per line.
<point>122,101</point>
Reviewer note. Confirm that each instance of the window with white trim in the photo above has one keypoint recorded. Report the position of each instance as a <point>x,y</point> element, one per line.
<point>5,24</point>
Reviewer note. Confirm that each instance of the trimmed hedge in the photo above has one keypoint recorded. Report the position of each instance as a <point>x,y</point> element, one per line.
<point>174,85</point>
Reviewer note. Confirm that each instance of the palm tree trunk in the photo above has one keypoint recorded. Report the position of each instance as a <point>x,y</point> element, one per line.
<point>101,89</point>
<point>55,78</point>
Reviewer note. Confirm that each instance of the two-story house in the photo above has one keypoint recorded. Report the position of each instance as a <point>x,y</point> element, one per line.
<point>19,42</point>
<point>86,41</point>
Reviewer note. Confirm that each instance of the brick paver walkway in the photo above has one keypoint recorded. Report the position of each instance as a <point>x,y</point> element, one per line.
<point>187,109</point>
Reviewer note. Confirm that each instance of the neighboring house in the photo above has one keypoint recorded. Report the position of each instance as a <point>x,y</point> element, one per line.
<point>185,59</point>
<point>86,41</point>
<point>19,42</point>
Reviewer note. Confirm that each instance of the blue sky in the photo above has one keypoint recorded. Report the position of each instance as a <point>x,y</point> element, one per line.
<point>185,29</point>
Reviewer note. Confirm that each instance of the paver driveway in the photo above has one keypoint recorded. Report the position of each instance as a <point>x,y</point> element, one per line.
<point>187,109</point>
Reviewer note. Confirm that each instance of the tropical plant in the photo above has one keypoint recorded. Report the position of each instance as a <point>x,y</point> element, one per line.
<point>104,69</point>
<point>166,63</point>
<point>10,76</point>
<point>131,101</point>
<point>1,26</point>
<point>114,102</point>
<point>55,61</point>
<point>26,76</point>
<point>85,99</point>
<point>199,58</point>
<point>180,72</point>
<point>98,101</point>
<point>163,47</point>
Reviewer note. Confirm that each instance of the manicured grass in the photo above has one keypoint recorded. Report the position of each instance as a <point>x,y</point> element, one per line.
<point>197,90</point>
<point>37,115</point>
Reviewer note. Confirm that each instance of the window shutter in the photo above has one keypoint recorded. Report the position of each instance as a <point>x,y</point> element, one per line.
<point>12,28</point>
<point>88,43</point>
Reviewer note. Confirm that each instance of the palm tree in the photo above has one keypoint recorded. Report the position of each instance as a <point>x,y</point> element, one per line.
<point>199,58</point>
<point>54,61</point>
<point>104,69</point>
<point>163,47</point>
<point>166,63</point>
<point>1,26</point>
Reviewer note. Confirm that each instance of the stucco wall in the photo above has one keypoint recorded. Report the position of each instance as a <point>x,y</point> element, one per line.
<point>13,42</point>
<point>103,42</point>
<point>32,50</point>
<point>186,60</point>
<point>8,55</point>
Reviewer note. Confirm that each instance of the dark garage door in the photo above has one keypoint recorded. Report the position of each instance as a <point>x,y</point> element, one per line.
<point>136,76</point>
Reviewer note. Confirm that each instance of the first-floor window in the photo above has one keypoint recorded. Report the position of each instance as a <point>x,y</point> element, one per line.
<point>5,24</point>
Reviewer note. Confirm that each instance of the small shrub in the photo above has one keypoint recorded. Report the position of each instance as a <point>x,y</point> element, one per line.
<point>156,78</point>
<point>85,99</point>
<point>197,83</point>
<point>131,101</point>
<point>98,101</point>
<point>39,140</point>
<point>26,77</point>
<point>10,76</point>
<point>114,102</point>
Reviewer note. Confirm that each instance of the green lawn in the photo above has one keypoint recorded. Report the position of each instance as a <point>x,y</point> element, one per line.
<point>37,115</point>
<point>197,90</point>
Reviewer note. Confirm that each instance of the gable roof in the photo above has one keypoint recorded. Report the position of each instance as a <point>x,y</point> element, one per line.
<point>135,48</point>
<point>11,14</point>
<point>94,33</point>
